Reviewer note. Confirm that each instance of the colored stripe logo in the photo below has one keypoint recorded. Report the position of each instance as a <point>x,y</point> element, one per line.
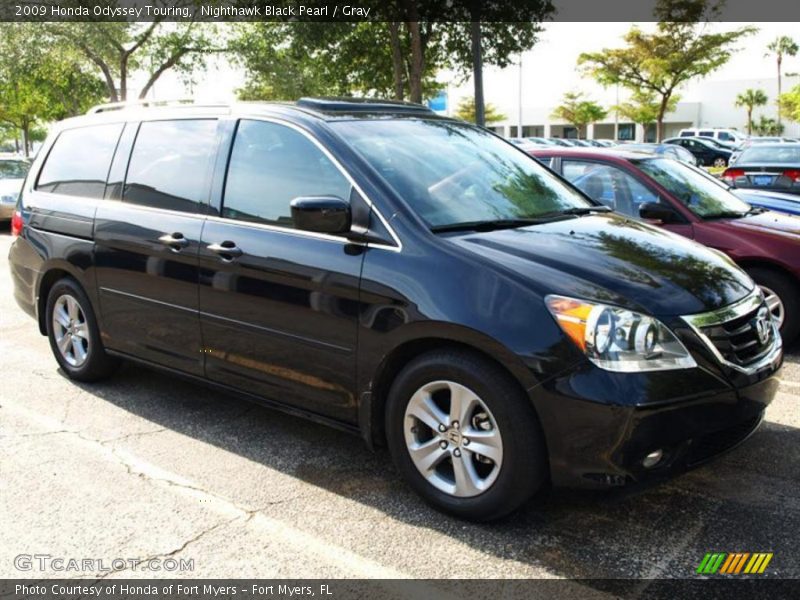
<point>736,563</point>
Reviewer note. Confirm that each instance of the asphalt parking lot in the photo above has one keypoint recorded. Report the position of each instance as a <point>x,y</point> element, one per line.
<point>147,466</point>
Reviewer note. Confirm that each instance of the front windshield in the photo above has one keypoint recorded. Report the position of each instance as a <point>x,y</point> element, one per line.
<point>702,196</point>
<point>13,169</point>
<point>452,173</point>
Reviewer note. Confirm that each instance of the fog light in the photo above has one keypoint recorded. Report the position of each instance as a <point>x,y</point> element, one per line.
<point>652,459</point>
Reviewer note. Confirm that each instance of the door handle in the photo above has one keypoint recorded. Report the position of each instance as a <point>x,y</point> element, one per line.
<point>175,241</point>
<point>227,251</point>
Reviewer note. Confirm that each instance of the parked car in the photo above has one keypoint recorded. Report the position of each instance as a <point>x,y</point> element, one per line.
<point>685,200</point>
<point>13,170</point>
<point>668,150</point>
<point>564,143</point>
<point>777,201</point>
<point>755,141</point>
<point>705,151</point>
<point>729,136</point>
<point>773,167</point>
<point>524,143</point>
<point>607,143</point>
<point>540,140</point>
<point>397,274</point>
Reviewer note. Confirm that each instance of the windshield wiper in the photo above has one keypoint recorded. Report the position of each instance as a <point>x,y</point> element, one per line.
<point>756,210</point>
<point>492,225</point>
<point>726,215</point>
<point>585,210</point>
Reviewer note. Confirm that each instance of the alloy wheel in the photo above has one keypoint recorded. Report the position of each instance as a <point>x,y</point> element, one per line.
<point>775,305</point>
<point>71,330</point>
<point>453,439</point>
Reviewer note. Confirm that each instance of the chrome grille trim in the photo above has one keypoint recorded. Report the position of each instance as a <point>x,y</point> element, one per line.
<point>746,305</point>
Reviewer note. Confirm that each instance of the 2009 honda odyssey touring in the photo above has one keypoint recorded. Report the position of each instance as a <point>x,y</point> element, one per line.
<point>398,274</point>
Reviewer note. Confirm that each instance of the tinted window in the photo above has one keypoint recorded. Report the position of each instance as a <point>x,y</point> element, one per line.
<point>170,164</point>
<point>270,166</point>
<point>612,186</point>
<point>782,154</point>
<point>706,134</point>
<point>455,174</point>
<point>696,190</point>
<point>78,162</point>
<point>725,136</point>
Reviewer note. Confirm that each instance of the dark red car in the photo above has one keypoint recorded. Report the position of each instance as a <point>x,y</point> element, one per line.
<point>690,202</point>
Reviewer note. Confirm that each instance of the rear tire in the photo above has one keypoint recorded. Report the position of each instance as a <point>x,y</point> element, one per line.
<point>776,285</point>
<point>74,335</point>
<point>496,418</point>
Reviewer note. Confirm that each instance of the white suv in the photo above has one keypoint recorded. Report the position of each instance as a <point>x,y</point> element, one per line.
<point>726,136</point>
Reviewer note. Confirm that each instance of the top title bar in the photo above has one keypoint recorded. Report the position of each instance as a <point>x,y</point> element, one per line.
<point>376,10</point>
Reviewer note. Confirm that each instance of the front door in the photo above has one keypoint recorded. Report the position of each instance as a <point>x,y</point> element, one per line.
<point>279,307</point>
<point>147,238</point>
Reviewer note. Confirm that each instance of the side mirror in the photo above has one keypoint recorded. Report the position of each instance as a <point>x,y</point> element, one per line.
<point>322,214</point>
<point>654,211</point>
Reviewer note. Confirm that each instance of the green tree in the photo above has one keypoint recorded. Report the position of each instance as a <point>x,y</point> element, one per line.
<point>466,111</point>
<point>679,50</point>
<point>576,110</point>
<point>749,99</point>
<point>119,49</point>
<point>643,107</point>
<point>790,104</point>
<point>384,59</point>
<point>40,82</point>
<point>767,126</point>
<point>780,47</point>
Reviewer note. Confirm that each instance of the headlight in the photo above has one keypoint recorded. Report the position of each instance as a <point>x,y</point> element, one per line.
<point>616,339</point>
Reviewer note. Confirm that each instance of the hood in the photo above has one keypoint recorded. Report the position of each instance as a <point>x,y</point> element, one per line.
<point>616,260</point>
<point>769,223</point>
<point>779,201</point>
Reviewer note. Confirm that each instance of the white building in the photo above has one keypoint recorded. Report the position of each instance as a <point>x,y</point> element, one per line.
<point>712,104</point>
<point>527,94</point>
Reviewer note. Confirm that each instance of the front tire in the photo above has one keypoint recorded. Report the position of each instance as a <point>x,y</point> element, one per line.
<point>74,335</point>
<point>464,436</point>
<point>783,299</point>
<point>720,162</point>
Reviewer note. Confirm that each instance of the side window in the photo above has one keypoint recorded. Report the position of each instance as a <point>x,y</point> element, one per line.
<point>78,162</point>
<point>725,136</point>
<point>270,166</point>
<point>706,134</point>
<point>609,185</point>
<point>170,164</point>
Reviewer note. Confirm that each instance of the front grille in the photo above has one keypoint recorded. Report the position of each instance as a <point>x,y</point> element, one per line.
<point>710,445</point>
<point>739,340</point>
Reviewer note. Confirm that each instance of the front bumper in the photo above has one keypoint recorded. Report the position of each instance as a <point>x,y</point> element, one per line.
<point>599,426</point>
<point>597,445</point>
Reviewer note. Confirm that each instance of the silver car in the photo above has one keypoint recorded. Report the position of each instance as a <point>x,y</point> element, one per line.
<point>12,175</point>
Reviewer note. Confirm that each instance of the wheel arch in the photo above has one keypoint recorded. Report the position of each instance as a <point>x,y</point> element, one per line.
<point>373,402</point>
<point>49,277</point>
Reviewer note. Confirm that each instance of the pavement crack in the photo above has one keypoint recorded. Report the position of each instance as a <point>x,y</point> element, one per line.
<point>164,555</point>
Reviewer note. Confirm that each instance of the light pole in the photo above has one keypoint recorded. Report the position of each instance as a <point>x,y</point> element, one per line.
<point>519,100</point>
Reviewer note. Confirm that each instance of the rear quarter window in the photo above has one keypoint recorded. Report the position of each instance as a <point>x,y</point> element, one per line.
<point>78,162</point>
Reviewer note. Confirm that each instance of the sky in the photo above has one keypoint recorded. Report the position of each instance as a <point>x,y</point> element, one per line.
<point>548,70</point>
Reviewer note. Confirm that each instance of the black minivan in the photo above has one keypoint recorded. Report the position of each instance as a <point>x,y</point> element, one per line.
<point>409,277</point>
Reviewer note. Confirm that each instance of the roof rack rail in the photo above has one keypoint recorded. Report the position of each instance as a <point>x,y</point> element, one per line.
<point>360,105</point>
<point>180,102</point>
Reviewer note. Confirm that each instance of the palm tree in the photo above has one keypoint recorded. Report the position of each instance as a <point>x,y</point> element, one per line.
<point>749,99</point>
<point>782,46</point>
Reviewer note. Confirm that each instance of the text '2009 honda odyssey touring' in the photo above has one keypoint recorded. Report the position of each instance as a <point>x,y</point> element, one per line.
<point>398,274</point>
